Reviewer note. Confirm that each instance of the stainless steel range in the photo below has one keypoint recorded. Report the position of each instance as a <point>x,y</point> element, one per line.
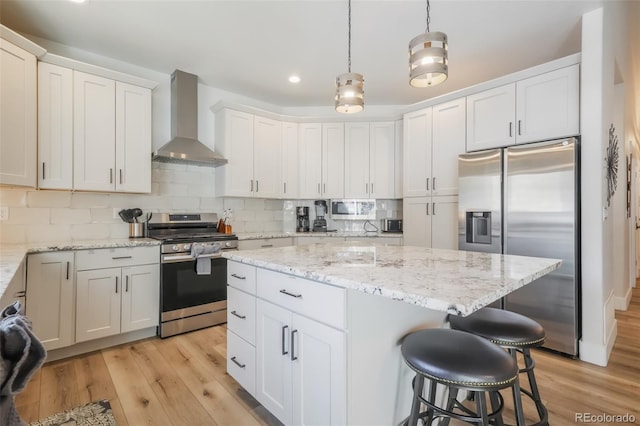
<point>193,275</point>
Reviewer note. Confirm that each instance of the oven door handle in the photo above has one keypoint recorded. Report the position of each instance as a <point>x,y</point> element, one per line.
<point>174,258</point>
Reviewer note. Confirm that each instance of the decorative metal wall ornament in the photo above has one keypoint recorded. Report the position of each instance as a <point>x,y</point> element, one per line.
<point>611,163</point>
<point>349,86</point>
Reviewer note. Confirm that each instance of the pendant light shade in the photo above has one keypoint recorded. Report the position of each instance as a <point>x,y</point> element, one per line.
<point>428,57</point>
<point>349,86</point>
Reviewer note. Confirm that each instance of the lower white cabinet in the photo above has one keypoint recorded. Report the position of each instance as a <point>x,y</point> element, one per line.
<point>431,222</point>
<point>50,289</point>
<point>117,299</point>
<point>264,243</point>
<point>300,367</point>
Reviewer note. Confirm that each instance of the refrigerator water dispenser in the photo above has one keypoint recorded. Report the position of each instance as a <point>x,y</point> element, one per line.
<point>479,227</point>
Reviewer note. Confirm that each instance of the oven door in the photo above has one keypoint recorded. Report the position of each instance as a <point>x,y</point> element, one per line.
<point>183,288</point>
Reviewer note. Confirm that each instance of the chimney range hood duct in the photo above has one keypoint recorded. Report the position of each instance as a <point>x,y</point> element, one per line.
<point>184,146</point>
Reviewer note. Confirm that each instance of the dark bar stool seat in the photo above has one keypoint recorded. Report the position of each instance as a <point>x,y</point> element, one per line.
<point>459,361</point>
<point>514,332</point>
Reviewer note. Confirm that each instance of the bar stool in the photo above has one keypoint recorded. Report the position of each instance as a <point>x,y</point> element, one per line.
<point>459,361</point>
<point>514,332</point>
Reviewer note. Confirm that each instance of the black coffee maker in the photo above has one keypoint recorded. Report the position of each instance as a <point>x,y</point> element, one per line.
<point>320,224</point>
<point>302,219</point>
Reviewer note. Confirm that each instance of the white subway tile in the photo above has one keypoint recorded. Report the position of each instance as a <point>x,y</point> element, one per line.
<point>245,215</point>
<point>209,204</point>
<point>104,216</point>
<point>13,197</point>
<point>38,233</point>
<point>254,204</point>
<point>27,216</point>
<point>87,200</point>
<point>273,204</point>
<point>119,230</point>
<point>233,203</point>
<point>172,189</point>
<point>253,226</point>
<point>70,216</point>
<point>13,234</point>
<point>185,204</point>
<point>90,231</point>
<point>48,199</point>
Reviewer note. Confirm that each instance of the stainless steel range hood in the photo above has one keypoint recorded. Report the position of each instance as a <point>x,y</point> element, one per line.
<point>184,146</point>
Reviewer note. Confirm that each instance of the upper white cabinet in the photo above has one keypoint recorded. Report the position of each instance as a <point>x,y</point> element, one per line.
<point>112,135</point>
<point>538,108</point>
<point>252,145</point>
<point>290,164</point>
<point>310,155</point>
<point>433,139</point>
<point>55,126</point>
<point>18,115</point>
<point>370,160</point>
<point>332,160</point>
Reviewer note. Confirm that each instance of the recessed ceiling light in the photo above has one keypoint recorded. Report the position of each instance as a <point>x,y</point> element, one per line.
<point>294,79</point>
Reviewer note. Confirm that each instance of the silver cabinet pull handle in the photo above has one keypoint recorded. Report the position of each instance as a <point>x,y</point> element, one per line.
<point>120,176</point>
<point>434,184</point>
<point>433,209</point>
<point>110,175</point>
<point>121,257</point>
<point>285,187</point>
<point>43,170</point>
<point>257,186</point>
<point>116,285</point>
<point>233,358</point>
<point>372,187</point>
<point>366,188</point>
<point>284,291</point>
<point>519,127</point>
<point>510,128</point>
<point>318,188</point>
<point>238,277</point>
<point>126,283</point>
<point>324,188</point>
<point>284,333</point>
<point>238,315</point>
<point>293,357</point>
<point>266,245</point>
<point>427,184</point>
<point>427,209</point>
<point>68,270</point>
<point>251,185</point>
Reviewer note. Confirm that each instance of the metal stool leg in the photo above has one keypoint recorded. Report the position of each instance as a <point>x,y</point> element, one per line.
<point>495,405</point>
<point>535,393</point>
<point>517,398</point>
<point>451,401</point>
<point>481,405</point>
<point>415,406</point>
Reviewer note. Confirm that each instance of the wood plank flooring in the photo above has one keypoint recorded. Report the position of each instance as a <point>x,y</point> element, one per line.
<point>182,380</point>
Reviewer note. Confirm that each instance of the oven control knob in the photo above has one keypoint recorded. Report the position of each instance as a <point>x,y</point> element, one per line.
<point>227,244</point>
<point>174,248</point>
<point>186,247</point>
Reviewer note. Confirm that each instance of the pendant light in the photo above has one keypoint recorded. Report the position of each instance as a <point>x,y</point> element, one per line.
<point>428,58</point>
<point>349,86</point>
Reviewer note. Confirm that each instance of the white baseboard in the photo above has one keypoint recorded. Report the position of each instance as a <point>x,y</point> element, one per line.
<point>621,303</point>
<point>598,353</point>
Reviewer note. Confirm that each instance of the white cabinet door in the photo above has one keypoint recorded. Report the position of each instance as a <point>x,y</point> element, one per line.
<point>94,129</point>
<point>318,355</point>
<point>273,360</point>
<point>310,155</point>
<point>50,296</point>
<point>444,222</point>
<point>448,142</point>
<point>382,160</point>
<point>333,160</point>
<point>548,105</point>
<point>491,118</point>
<point>133,138</point>
<point>97,303</point>
<point>55,127</point>
<point>140,304</point>
<point>234,140</point>
<point>267,151</point>
<point>18,115</point>
<point>416,221</point>
<point>398,159</point>
<point>356,160</point>
<point>290,163</point>
<point>417,141</point>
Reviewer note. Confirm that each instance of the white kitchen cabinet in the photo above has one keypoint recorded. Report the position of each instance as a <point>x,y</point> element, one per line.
<point>18,115</point>
<point>370,160</point>
<point>431,222</point>
<point>252,145</point>
<point>112,135</point>
<point>391,241</point>
<point>264,243</point>
<point>117,291</point>
<point>397,191</point>
<point>50,295</point>
<point>290,162</point>
<point>301,368</point>
<point>332,160</point>
<point>310,160</point>
<point>55,127</point>
<point>433,139</point>
<point>542,107</point>
<point>133,138</point>
<point>316,239</point>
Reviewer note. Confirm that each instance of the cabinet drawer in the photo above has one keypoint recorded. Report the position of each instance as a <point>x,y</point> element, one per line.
<point>321,302</point>
<point>241,314</point>
<point>116,257</point>
<point>241,362</point>
<point>241,276</point>
<point>265,243</point>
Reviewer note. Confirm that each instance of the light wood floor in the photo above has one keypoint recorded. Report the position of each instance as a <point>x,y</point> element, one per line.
<point>182,380</point>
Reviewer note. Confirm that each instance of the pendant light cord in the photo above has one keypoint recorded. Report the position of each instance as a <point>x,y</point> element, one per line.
<point>349,50</point>
<point>428,15</point>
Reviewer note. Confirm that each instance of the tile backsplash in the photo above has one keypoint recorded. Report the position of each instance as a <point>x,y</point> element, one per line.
<point>45,215</point>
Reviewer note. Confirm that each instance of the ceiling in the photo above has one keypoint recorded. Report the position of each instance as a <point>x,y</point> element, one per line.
<point>251,47</point>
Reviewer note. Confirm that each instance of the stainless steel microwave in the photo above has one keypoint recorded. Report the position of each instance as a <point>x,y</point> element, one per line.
<point>353,209</point>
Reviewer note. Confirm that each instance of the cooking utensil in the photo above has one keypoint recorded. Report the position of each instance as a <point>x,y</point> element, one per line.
<point>149,216</point>
<point>135,214</point>
<point>125,215</point>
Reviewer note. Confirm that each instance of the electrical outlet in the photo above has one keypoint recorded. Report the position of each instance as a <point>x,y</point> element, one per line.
<point>4,213</point>
<point>115,213</point>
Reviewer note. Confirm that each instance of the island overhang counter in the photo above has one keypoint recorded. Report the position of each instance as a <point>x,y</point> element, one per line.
<point>323,323</point>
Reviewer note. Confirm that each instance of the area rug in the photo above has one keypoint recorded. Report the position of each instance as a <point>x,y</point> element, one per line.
<point>96,413</point>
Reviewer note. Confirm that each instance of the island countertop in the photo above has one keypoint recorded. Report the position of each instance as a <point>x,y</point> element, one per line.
<point>457,282</point>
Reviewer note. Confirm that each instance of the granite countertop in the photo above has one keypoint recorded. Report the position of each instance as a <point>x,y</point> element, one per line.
<point>457,282</point>
<point>341,234</point>
<point>12,255</point>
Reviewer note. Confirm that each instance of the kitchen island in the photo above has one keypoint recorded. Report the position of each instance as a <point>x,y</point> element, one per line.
<point>323,323</point>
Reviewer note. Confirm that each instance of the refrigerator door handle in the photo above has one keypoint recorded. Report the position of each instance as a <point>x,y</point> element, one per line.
<point>511,129</point>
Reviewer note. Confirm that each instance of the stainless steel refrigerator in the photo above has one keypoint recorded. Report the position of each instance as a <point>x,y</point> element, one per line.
<point>524,200</point>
